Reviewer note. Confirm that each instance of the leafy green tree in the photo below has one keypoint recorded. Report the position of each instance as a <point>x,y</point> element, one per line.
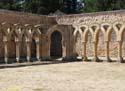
<point>103,5</point>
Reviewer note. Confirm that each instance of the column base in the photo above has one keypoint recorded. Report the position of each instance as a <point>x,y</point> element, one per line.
<point>17,60</point>
<point>6,60</point>
<point>108,59</point>
<point>96,59</point>
<point>120,59</point>
<point>85,59</point>
<point>38,59</point>
<point>28,59</point>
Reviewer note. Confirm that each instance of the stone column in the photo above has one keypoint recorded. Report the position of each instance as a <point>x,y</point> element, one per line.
<point>17,51</point>
<point>96,59</point>
<point>38,50</point>
<point>6,51</point>
<point>107,52</point>
<point>120,58</point>
<point>84,52</point>
<point>28,44</point>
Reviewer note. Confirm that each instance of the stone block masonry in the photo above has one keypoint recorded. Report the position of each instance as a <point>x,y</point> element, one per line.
<point>94,36</point>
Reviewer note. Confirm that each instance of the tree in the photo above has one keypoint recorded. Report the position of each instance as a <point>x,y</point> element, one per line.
<point>41,6</point>
<point>103,5</point>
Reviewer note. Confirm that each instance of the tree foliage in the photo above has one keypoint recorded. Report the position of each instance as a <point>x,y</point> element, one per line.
<point>41,6</point>
<point>66,6</point>
<point>103,5</point>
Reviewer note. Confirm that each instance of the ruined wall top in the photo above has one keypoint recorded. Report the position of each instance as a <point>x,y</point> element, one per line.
<point>73,19</point>
<point>25,18</point>
<point>88,18</point>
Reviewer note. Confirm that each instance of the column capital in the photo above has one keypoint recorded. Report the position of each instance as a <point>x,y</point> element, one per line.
<point>5,41</point>
<point>17,41</point>
<point>28,41</point>
<point>84,42</point>
<point>106,41</point>
<point>37,41</point>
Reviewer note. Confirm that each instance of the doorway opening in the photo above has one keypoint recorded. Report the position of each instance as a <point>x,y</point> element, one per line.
<point>56,45</point>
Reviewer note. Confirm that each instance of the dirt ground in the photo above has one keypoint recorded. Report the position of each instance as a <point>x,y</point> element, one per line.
<point>74,76</point>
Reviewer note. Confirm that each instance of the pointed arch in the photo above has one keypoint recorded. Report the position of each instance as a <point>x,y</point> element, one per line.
<point>85,34</point>
<point>112,35</point>
<point>12,47</point>
<point>19,30</point>
<point>78,44</point>
<point>35,39</point>
<point>88,35</point>
<point>100,34</point>
<point>109,32</point>
<point>120,27</point>
<point>97,32</point>
<point>28,31</point>
<point>76,31</point>
<point>105,27</point>
<point>8,28</point>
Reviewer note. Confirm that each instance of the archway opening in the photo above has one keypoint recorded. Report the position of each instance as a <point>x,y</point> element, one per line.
<point>89,45</point>
<point>33,49</point>
<point>2,48</point>
<point>56,45</point>
<point>78,44</point>
<point>113,45</point>
<point>123,45</point>
<point>12,49</point>
<point>101,47</point>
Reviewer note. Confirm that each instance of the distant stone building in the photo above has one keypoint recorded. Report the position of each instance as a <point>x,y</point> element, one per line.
<point>87,36</point>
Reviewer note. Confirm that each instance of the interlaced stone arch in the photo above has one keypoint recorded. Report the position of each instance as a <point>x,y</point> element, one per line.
<point>95,28</point>
<point>35,42</point>
<point>110,31</point>
<point>85,35</point>
<point>120,27</point>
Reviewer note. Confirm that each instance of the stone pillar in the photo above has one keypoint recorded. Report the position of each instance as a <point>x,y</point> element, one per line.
<point>107,52</point>
<point>6,51</point>
<point>28,44</point>
<point>120,58</point>
<point>84,52</point>
<point>17,51</point>
<point>96,59</point>
<point>38,50</point>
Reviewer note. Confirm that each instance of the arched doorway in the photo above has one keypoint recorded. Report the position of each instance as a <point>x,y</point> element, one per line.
<point>56,45</point>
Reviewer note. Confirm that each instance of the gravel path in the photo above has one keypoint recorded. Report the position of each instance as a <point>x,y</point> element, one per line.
<point>75,76</point>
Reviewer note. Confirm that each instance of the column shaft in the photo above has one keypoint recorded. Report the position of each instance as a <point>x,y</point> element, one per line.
<point>17,51</point>
<point>107,51</point>
<point>120,58</point>
<point>28,51</point>
<point>84,51</point>
<point>38,51</point>
<point>96,59</point>
<point>6,52</point>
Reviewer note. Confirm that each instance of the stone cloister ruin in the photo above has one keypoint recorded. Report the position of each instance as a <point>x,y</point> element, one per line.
<point>98,36</point>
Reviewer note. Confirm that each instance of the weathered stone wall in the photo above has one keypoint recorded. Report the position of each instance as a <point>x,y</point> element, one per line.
<point>83,35</point>
<point>111,24</point>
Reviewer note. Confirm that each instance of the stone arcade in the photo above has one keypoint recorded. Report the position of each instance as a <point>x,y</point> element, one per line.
<point>38,37</point>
